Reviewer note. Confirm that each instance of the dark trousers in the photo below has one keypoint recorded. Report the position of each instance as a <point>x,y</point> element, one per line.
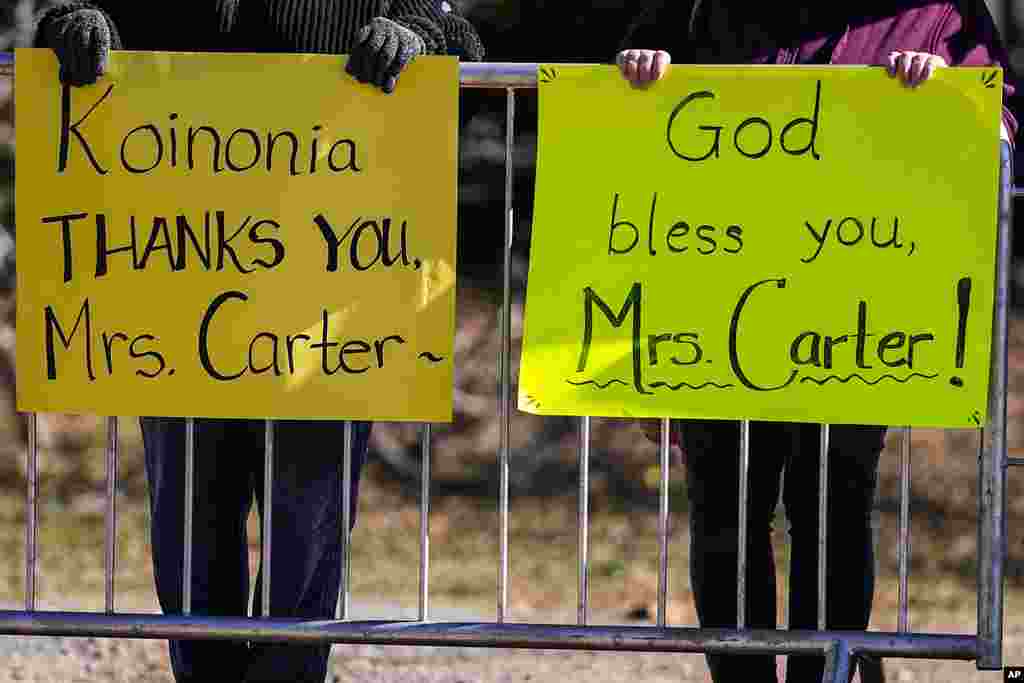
<point>712,449</point>
<point>306,536</point>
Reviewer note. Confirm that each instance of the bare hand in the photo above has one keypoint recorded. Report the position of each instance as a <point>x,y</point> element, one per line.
<point>914,68</point>
<point>643,67</point>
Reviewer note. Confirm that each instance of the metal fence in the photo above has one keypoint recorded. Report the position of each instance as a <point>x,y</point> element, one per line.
<point>839,647</point>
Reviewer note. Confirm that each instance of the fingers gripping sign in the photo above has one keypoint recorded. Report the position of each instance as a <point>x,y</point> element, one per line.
<point>384,47</point>
<point>643,67</point>
<point>82,38</point>
<point>913,68</point>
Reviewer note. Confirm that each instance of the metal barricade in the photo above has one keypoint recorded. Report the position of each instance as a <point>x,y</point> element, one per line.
<point>839,647</point>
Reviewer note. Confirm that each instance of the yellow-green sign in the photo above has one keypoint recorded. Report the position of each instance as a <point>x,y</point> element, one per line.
<point>236,236</point>
<point>782,243</point>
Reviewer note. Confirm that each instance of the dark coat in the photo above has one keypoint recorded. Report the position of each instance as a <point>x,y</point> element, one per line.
<point>744,32</point>
<point>307,26</point>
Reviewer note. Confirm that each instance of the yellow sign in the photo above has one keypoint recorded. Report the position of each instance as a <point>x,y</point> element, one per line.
<point>236,236</point>
<point>782,243</point>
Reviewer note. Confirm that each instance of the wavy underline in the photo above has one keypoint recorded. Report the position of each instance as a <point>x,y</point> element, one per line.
<point>844,380</point>
<point>653,385</point>
<point>819,382</point>
<point>431,357</point>
<point>677,387</point>
<point>597,384</point>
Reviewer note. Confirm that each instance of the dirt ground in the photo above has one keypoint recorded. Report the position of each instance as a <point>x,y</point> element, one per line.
<point>463,587</point>
<point>464,567</point>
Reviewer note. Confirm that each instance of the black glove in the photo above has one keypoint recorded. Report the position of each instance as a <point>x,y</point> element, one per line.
<point>82,38</point>
<point>382,49</point>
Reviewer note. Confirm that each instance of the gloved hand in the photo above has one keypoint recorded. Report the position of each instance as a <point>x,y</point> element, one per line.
<point>382,49</point>
<point>82,40</point>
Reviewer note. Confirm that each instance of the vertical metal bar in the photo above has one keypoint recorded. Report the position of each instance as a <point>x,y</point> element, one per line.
<point>268,513</point>
<point>741,541</point>
<point>663,525</point>
<point>346,523</point>
<point>111,517</point>
<point>823,527</point>
<point>903,545</point>
<point>505,381</point>
<point>424,521</point>
<point>583,524</point>
<point>188,505</point>
<point>31,512</point>
<point>186,570</point>
<point>992,463</point>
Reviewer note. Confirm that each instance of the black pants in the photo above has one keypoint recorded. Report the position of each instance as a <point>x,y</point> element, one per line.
<point>306,536</point>
<point>712,449</point>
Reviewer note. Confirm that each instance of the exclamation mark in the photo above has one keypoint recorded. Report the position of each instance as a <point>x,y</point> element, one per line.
<point>963,302</point>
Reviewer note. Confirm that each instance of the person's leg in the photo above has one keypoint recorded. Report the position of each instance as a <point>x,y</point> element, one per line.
<point>305,568</point>
<point>712,478</point>
<point>852,476</point>
<point>223,494</point>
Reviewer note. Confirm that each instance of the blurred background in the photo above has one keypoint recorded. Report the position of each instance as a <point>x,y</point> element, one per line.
<point>544,470</point>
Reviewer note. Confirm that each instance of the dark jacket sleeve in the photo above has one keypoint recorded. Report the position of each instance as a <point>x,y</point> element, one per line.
<point>662,25</point>
<point>641,32</point>
<point>967,36</point>
<point>137,27</point>
<point>446,31</point>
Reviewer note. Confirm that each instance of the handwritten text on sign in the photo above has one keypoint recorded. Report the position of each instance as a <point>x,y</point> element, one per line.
<point>236,236</point>
<point>806,244</point>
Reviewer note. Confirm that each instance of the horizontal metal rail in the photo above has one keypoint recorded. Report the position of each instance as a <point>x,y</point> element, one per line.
<point>488,634</point>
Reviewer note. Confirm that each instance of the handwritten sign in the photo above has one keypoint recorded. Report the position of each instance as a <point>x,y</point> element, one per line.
<point>782,243</point>
<point>236,236</point>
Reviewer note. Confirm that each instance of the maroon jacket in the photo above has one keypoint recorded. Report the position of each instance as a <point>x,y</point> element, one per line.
<point>816,32</point>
